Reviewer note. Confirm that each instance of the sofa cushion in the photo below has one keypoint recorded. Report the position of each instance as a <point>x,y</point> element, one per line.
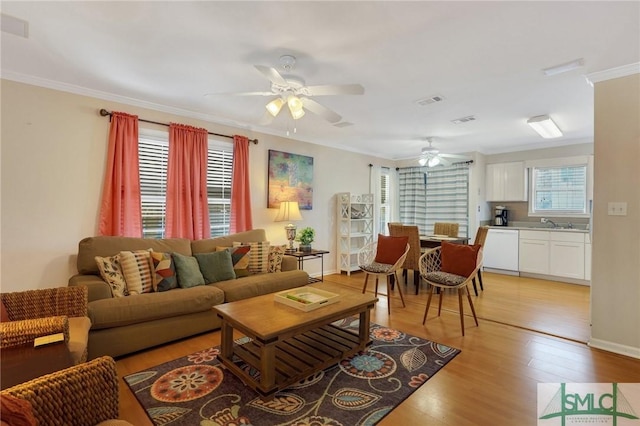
<point>137,269</point>
<point>188,270</point>
<point>104,246</point>
<point>258,255</point>
<point>208,245</point>
<point>239,258</point>
<point>259,284</point>
<point>111,272</point>
<point>216,266</point>
<point>276,254</point>
<point>164,270</point>
<point>108,313</point>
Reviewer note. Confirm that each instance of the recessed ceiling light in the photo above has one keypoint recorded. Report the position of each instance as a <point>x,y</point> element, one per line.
<point>559,69</point>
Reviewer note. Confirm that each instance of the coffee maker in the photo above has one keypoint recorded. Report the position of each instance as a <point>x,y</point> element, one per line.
<point>501,217</point>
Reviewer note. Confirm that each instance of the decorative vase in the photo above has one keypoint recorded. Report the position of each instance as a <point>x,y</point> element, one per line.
<point>305,247</point>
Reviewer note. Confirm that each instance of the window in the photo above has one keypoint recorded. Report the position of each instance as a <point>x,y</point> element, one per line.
<point>559,190</point>
<point>153,151</point>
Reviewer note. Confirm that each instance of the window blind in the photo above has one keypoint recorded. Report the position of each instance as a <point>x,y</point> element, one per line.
<point>412,197</point>
<point>447,197</point>
<point>560,189</point>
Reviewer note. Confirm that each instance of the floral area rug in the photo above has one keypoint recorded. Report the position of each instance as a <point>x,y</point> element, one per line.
<point>360,390</point>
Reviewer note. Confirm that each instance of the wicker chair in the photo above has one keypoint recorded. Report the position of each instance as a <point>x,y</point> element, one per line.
<point>446,228</point>
<point>35,313</point>
<point>366,262</point>
<point>481,236</point>
<point>82,395</point>
<point>411,262</point>
<point>430,270</point>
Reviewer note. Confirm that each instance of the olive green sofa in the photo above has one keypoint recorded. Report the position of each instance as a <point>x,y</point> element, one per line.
<point>123,325</point>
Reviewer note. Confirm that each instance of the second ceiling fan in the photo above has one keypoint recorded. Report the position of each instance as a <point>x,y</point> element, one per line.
<point>292,91</point>
<point>432,157</point>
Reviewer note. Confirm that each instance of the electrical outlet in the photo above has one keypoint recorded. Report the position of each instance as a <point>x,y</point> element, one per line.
<point>617,208</point>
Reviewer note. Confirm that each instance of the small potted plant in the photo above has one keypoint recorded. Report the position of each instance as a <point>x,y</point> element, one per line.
<point>305,237</point>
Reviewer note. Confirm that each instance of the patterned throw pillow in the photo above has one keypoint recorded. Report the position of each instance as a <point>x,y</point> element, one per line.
<point>111,272</point>
<point>137,269</point>
<point>239,258</point>
<point>276,254</point>
<point>164,271</point>
<point>258,256</point>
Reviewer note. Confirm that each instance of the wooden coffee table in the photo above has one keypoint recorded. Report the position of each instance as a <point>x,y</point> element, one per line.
<point>287,344</point>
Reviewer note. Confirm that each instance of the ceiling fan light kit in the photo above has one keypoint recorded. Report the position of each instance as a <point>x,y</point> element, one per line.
<point>545,126</point>
<point>275,106</point>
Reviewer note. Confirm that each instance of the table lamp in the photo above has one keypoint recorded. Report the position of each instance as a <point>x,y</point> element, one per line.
<point>289,212</point>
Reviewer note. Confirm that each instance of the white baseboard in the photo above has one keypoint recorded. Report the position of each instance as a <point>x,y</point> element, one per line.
<point>501,271</point>
<point>615,348</point>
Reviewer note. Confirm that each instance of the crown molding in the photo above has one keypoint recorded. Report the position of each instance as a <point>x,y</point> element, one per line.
<point>612,73</point>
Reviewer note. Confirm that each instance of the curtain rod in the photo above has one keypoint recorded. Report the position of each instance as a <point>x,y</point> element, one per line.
<point>104,113</point>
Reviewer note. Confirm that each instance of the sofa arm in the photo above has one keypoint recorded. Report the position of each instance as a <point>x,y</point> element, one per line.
<point>85,394</point>
<point>289,263</point>
<point>23,332</point>
<point>97,287</point>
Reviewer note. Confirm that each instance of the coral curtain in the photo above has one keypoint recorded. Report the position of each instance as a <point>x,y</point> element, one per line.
<point>187,214</point>
<point>240,187</point>
<point>120,210</point>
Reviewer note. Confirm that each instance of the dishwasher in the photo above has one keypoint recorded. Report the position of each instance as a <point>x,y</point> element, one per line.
<point>500,251</point>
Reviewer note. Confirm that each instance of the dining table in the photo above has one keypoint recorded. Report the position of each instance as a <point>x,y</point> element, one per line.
<point>431,241</point>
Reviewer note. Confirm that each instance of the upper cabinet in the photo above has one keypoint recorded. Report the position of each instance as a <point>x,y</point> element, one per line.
<point>506,182</point>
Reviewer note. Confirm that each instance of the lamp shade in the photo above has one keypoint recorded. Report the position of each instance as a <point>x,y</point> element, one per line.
<point>289,212</point>
<point>274,106</point>
<point>545,126</point>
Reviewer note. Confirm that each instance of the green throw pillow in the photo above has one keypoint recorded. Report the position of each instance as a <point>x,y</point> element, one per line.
<point>189,274</point>
<point>216,266</point>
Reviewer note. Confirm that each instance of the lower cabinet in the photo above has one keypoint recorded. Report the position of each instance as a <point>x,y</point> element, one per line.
<point>555,253</point>
<point>534,252</point>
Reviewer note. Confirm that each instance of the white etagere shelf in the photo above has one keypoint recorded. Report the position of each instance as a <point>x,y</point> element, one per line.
<point>355,227</point>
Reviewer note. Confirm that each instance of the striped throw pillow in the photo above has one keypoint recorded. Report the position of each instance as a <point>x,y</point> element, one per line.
<point>258,256</point>
<point>137,269</point>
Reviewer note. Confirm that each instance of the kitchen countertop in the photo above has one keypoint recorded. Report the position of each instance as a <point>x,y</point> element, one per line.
<point>541,228</point>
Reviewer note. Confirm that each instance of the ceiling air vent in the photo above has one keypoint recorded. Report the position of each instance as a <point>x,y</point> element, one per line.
<point>430,100</point>
<point>343,124</point>
<point>464,119</point>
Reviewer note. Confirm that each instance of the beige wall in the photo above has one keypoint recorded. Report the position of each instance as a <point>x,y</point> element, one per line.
<point>615,285</point>
<point>53,160</point>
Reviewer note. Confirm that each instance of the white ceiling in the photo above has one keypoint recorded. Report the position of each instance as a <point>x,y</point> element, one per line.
<point>484,58</point>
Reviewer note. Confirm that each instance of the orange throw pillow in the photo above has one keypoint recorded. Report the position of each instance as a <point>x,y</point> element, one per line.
<point>390,249</point>
<point>459,259</point>
<point>16,411</point>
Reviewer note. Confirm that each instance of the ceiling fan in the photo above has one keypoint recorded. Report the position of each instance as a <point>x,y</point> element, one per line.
<point>432,157</point>
<point>293,92</point>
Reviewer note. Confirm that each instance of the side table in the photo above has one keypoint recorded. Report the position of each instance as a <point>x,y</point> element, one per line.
<point>311,254</point>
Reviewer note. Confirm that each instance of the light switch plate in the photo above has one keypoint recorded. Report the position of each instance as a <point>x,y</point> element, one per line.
<point>617,208</point>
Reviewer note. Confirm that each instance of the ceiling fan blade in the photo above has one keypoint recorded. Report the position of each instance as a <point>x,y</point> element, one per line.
<point>241,94</point>
<point>335,89</point>
<point>320,110</point>
<point>272,74</point>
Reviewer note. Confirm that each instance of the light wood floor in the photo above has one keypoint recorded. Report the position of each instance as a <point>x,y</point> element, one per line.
<point>493,381</point>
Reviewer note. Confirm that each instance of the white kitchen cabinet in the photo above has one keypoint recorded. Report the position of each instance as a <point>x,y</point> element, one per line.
<point>354,226</point>
<point>506,182</point>
<point>534,252</point>
<point>566,255</point>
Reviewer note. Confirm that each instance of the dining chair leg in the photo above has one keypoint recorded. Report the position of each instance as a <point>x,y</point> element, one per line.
<point>440,292</point>
<point>460,307</point>
<point>474,286</point>
<point>389,289</point>
<point>480,279</point>
<point>376,292</point>
<point>401,296</point>
<point>366,278</point>
<point>416,280</point>
<point>473,310</point>
<point>426,309</point>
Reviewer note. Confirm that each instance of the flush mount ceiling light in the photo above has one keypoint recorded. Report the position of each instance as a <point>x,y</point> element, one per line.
<point>545,126</point>
<point>559,69</point>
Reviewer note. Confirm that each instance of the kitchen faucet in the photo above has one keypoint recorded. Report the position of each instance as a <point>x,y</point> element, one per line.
<point>545,220</point>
